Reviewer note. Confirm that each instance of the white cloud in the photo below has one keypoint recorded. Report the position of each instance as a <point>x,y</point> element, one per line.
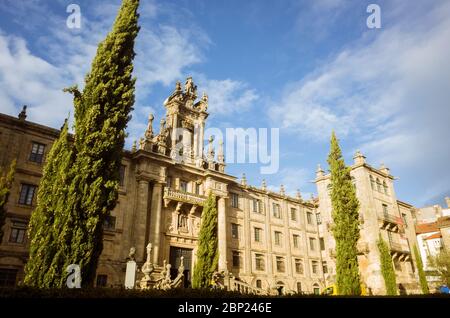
<point>228,96</point>
<point>389,96</point>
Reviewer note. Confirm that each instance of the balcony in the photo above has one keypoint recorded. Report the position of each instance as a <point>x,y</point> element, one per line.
<point>390,223</point>
<point>181,196</point>
<point>400,250</point>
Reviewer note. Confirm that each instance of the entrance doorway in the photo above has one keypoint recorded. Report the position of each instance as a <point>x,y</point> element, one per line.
<point>175,260</point>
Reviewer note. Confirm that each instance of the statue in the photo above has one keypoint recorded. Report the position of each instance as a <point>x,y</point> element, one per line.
<point>149,131</point>
<point>131,255</point>
<point>190,88</point>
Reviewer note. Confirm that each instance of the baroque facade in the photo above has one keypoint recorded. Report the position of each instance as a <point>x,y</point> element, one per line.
<point>267,240</point>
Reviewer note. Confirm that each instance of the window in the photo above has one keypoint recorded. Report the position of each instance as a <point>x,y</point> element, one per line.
<point>324,267</point>
<point>404,220</point>
<point>385,187</point>
<point>299,266</point>
<point>293,214</point>
<point>37,152</point>
<point>276,210</point>
<point>385,210</point>
<point>8,277</point>
<point>235,200</point>
<point>316,289</point>
<point>183,186</point>
<point>258,232</point>
<point>102,280</point>
<point>259,262</point>
<point>122,176</point>
<point>234,231</point>
<point>295,239</point>
<point>315,267</point>
<point>299,287</point>
<point>372,183</point>
<point>278,237</point>
<point>318,218</point>
<point>169,182</point>
<point>18,230</point>
<point>378,185</point>
<point>236,259</point>
<point>391,239</point>
<point>257,206</point>
<point>110,223</point>
<point>258,283</point>
<point>280,264</point>
<point>309,218</point>
<point>322,244</point>
<point>312,244</point>
<point>197,188</point>
<point>27,194</point>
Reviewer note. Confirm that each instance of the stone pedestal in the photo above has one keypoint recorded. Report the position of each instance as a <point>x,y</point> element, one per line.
<point>130,275</point>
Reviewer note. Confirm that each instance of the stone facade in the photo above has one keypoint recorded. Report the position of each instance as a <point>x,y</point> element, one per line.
<point>268,240</point>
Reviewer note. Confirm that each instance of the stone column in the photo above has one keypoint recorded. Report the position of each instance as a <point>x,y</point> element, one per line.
<point>187,145</point>
<point>139,229</point>
<point>155,222</point>
<point>222,234</point>
<point>195,135</point>
<point>174,130</point>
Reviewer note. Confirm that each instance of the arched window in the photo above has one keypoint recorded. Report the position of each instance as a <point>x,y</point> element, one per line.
<point>258,283</point>
<point>378,185</point>
<point>182,221</point>
<point>372,183</point>
<point>316,289</point>
<point>385,187</point>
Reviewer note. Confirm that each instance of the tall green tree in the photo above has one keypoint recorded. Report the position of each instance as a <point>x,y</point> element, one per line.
<point>441,262</point>
<point>346,222</point>
<point>5,188</point>
<point>207,252</point>
<point>102,111</point>
<point>422,277</point>
<point>48,230</point>
<point>387,268</point>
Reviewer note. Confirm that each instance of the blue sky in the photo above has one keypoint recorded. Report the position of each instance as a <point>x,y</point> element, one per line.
<point>306,67</point>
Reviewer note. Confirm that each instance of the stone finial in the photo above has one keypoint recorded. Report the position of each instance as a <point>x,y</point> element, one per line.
<point>132,254</point>
<point>178,87</point>
<point>211,151</point>
<point>133,147</point>
<point>149,252</point>
<point>384,169</point>
<point>23,113</point>
<point>220,156</point>
<point>149,131</point>
<point>359,158</point>
<point>298,195</point>
<point>243,180</point>
<point>319,171</point>
<point>447,200</point>
<point>282,191</point>
<point>162,123</point>
<point>190,88</point>
<point>141,143</point>
<point>205,97</point>
<point>264,185</point>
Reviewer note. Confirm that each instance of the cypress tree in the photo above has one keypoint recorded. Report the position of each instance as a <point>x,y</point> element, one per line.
<point>422,277</point>
<point>102,112</point>
<point>207,252</point>
<point>5,188</point>
<point>387,268</point>
<point>346,222</point>
<point>47,229</point>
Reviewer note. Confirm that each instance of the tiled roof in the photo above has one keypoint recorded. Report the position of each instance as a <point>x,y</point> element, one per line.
<point>426,228</point>
<point>434,236</point>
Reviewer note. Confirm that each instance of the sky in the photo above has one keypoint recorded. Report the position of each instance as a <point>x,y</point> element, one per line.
<point>305,67</point>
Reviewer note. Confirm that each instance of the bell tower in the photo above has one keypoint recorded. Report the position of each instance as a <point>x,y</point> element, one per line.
<point>185,122</point>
